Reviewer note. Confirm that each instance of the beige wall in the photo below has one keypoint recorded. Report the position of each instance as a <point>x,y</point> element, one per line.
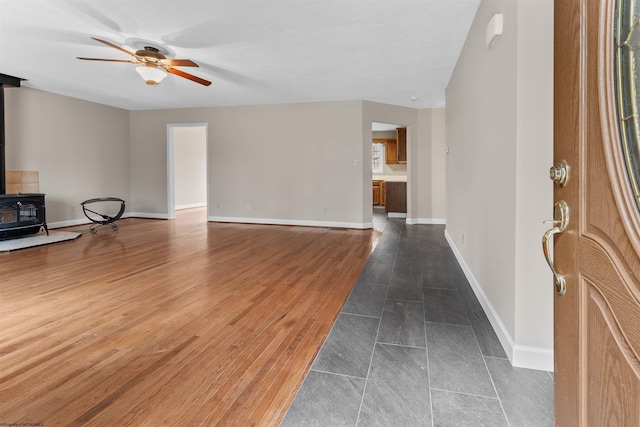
<point>425,130</point>
<point>81,149</point>
<point>438,163</point>
<point>287,162</point>
<point>534,195</point>
<point>432,176</point>
<point>292,163</point>
<point>499,131</point>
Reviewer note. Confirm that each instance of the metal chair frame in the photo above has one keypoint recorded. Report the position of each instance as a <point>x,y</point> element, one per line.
<point>106,219</point>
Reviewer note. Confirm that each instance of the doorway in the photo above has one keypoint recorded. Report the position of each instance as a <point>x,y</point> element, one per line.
<point>389,170</point>
<point>186,167</point>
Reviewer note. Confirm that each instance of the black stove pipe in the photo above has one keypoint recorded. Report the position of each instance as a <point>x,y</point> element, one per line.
<point>3,178</point>
<point>5,81</point>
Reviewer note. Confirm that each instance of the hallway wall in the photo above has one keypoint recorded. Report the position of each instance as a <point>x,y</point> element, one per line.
<point>500,134</point>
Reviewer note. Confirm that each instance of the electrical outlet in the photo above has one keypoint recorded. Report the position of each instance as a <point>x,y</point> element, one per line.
<point>248,206</point>
<point>324,210</point>
<point>354,162</point>
<point>462,238</point>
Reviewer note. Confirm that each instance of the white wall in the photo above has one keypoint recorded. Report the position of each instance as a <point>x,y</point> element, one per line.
<point>190,166</point>
<point>80,148</point>
<point>499,129</point>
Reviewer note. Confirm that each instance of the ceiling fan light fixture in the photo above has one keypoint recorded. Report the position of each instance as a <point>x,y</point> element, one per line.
<point>151,75</point>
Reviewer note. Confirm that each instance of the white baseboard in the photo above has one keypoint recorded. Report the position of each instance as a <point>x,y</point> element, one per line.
<point>396,214</point>
<point>306,223</point>
<point>520,356</point>
<point>145,215</point>
<point>81,221</point>
<point>429,221</point>
<point>71,223</point>
<point>532,357</point>
<point>191,206</point>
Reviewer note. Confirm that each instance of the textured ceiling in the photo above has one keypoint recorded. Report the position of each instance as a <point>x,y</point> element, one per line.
<point>399,52</point>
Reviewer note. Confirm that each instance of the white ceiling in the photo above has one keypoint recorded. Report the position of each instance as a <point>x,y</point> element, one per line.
<point>399,52</point>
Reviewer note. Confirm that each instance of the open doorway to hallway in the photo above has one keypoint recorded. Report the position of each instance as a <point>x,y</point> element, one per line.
<point>389,170</point>
<point>187,168</point>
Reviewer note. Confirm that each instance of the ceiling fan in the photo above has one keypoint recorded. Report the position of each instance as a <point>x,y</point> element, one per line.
<point>154,66</point>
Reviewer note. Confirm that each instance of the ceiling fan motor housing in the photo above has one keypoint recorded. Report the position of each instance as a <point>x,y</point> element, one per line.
<point>150,52</point>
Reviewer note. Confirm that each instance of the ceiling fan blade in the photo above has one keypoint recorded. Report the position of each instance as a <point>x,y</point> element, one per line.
<point>114,46</point>
<point>108,60</point>
<point>179,62</point>
<point>188,76</point>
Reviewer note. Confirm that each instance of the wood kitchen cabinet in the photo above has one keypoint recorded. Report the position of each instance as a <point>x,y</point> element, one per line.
<point>401,134</point>
<point>396,197</point>
<point>390,149</point>
<point>378,193</point>
<point>391,152</point>
<point>396,149</point>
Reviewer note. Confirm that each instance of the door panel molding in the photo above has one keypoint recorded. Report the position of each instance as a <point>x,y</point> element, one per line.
<point>616,165</point>
<point>600,267</point>
<point>606,346</point>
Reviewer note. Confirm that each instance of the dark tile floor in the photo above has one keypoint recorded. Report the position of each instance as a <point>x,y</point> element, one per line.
<point>412,347</point>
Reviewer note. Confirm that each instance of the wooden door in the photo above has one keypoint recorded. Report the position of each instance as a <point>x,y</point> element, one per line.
<point>597,321</point>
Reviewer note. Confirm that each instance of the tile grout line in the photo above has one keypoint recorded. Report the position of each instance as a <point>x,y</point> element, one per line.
<point>336,373</point>
<point>359,315</point>
<point>491,378</point>
<point>426,351</point>
<point>426,344</point>
<point>465,394</point>
<point>366,380</point>
<point>373,351</point>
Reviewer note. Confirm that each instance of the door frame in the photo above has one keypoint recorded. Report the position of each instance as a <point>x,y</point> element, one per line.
<point>171,182</point>
<point>407,217</point>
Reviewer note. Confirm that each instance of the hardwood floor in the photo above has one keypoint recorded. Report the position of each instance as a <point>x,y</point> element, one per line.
<point>170,322</point>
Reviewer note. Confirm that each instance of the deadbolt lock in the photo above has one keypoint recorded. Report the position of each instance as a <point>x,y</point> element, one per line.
<point>559,173</point>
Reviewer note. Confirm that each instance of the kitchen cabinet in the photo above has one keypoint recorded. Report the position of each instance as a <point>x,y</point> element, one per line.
<point>396,197</point>
<point>401,134</point>
<point>378,193</point>
<point>391,152</point>
<point>396,149</point>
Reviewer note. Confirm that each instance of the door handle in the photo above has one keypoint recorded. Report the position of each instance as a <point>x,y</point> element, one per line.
<point>560,222</point>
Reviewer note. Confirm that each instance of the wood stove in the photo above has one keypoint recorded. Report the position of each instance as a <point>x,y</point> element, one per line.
<point>21,214</point>
<point>24,213</point>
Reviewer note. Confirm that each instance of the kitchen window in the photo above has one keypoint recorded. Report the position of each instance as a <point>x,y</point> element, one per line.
<point>377,158</point>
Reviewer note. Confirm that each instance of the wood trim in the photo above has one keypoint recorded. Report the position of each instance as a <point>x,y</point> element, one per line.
<point>568,112</point>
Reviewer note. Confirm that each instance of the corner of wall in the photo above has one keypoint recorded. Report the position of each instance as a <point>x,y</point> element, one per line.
<point>521,356</point>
